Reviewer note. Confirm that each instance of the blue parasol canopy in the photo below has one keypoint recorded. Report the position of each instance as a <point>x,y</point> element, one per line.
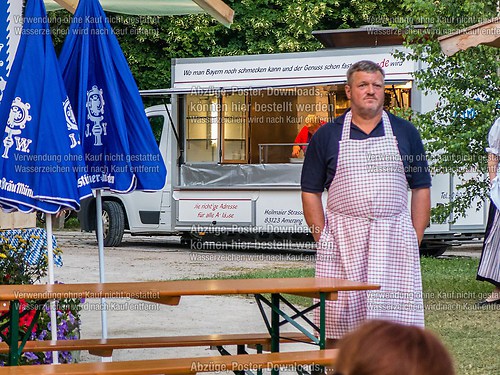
<point>119,147</point>
<point>41,161</point>
<point>10,11</point>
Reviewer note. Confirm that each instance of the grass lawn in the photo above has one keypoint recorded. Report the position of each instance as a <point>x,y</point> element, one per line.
<point>450,293</point>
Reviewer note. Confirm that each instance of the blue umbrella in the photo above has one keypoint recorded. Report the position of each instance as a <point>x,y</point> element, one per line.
<point>41,160</point>
<point>9,39</point>
<point>120,150</point>
<point>119,146</point>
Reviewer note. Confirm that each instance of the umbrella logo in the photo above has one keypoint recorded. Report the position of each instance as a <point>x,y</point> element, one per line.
<point>95,110</point>
<point>70,122</point>
<point>18,117</point>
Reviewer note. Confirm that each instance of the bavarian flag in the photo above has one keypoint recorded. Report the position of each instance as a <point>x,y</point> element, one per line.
<point>41,160</point>
<point>120,150</point>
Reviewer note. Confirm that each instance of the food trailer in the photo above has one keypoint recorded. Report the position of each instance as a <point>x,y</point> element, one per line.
<point>227,136</point>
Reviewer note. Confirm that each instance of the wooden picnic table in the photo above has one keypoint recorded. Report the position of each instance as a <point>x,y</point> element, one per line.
<point>170,293</point>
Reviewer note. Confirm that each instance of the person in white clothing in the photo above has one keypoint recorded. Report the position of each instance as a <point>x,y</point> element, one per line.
<point>367,159</point>
<point>489,264</point>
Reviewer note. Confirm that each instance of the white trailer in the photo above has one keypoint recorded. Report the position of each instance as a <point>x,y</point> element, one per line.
<point>227,145</point>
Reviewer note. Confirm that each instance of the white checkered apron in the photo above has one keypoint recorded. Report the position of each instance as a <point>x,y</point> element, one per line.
<point>369,236</point>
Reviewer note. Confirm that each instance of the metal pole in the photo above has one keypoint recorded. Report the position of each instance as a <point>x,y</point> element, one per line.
<point>322,320</point>
<point>275,325</point>
<point>102,278</point>
<point>50,257</point>
<point>13,337</point>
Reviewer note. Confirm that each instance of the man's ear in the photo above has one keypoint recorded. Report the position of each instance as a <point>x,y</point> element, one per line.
<point>348,91</point>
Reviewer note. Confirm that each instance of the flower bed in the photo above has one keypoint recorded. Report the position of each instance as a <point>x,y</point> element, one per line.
<point>16,268</point>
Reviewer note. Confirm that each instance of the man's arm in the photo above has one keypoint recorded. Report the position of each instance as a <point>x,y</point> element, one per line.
<point>492,165</point>
<point>420,210</point>
<point>313,212</point>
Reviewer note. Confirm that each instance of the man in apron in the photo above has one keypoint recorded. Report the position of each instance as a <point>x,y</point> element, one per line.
<point>367,159</point>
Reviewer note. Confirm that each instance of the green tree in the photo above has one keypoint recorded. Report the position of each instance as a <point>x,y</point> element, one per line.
<point>467,84</point>
<point>260,26</point>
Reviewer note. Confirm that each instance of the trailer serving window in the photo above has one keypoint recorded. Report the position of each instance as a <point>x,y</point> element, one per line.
<point>260,126</point>
<point>202,117</point>
<point>216,128</point>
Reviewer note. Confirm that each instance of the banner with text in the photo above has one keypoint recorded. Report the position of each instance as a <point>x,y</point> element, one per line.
<point>307,68</point>
<point>218,211</point>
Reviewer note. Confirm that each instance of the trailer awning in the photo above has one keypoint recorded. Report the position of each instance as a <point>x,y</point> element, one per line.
<point>486,33</point>
<point>216,8</point>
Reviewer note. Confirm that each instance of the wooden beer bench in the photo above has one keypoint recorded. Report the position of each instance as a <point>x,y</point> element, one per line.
<point>177,366</point>
<point>104,347</point>
<point>170,293</point>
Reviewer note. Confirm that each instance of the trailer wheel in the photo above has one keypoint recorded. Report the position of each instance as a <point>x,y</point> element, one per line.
<point>113,220</point>
<point>434,248</point>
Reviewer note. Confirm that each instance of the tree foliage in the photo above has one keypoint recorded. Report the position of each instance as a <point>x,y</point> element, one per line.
<point>260,26</point>
<point>467,84</point>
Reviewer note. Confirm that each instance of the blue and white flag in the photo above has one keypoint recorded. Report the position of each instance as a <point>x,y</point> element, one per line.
<point>119,147</point>
<point>41,160</point>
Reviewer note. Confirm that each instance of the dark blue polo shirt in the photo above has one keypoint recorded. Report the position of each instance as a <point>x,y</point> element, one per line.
<point>320,162</point>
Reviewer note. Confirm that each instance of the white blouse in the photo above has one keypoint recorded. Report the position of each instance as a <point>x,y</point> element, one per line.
<point>494,138</point>
<point>494,148</point>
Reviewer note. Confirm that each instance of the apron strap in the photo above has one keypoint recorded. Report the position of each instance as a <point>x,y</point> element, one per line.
<point>346,129</point>
<point>387,125</point>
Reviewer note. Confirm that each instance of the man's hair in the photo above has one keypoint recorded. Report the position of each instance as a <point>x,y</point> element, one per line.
<point>364,66</point>
<point>386,348</point>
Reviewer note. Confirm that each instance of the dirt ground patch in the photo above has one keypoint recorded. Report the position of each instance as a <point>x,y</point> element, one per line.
<point>162,258</point>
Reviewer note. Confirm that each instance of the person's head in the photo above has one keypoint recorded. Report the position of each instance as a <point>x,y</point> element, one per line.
<point>365,88</point>
<point>313,123</point>
<point>385,348</point>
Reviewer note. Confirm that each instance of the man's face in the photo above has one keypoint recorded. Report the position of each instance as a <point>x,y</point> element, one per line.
<point>366,92</point>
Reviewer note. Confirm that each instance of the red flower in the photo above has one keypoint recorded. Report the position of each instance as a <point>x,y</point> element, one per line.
<point>25,321</point>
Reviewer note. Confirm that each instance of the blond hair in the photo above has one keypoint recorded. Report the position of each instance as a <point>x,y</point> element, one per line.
<point>312,121</point>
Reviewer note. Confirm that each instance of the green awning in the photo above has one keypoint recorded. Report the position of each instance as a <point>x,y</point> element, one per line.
<point>216,8</point>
